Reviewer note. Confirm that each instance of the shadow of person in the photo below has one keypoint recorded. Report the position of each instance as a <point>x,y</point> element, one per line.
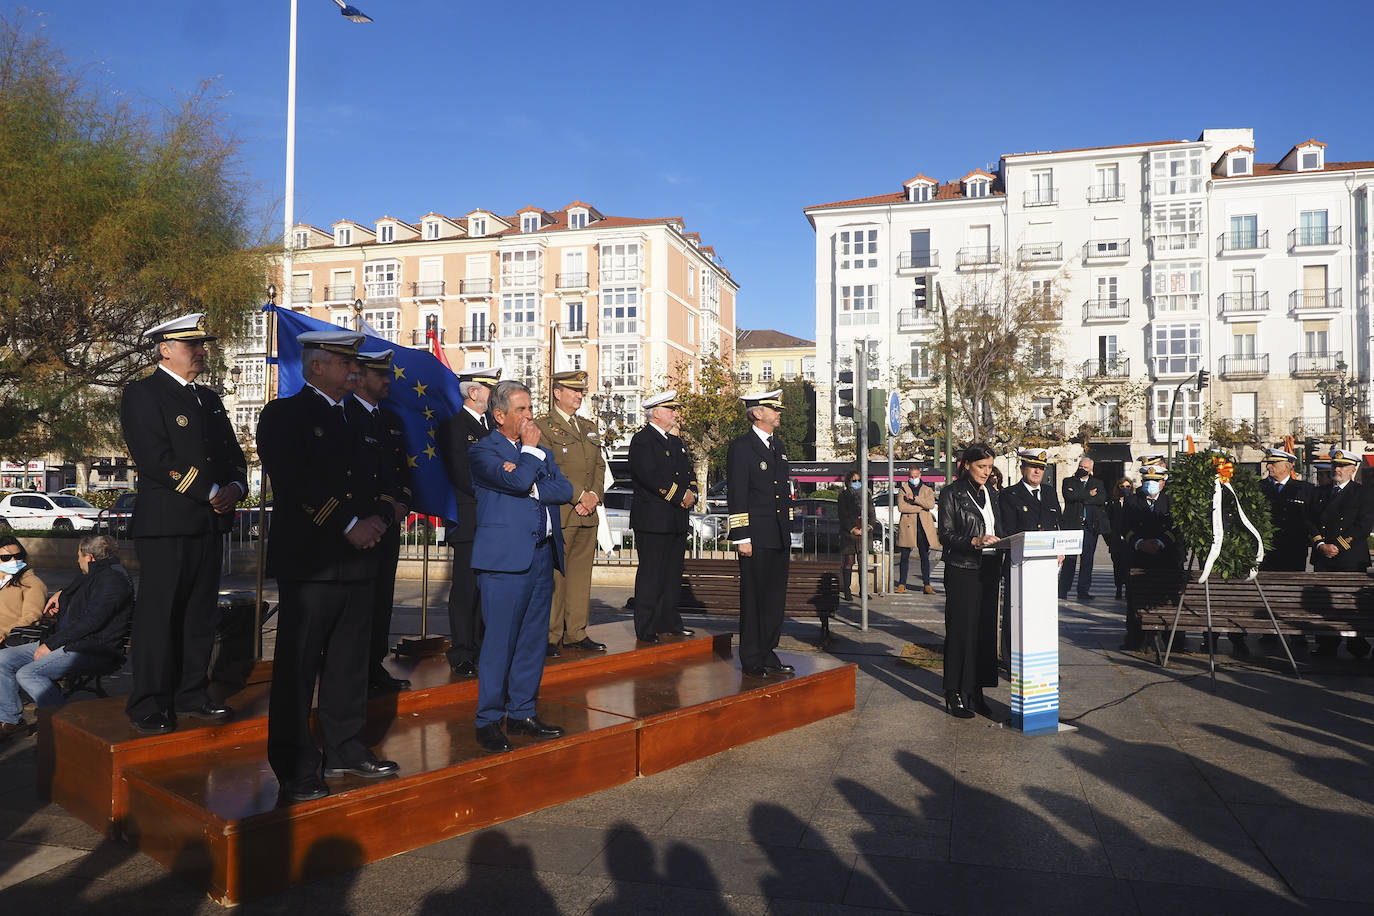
<point>684,866</point>
<point>510,887</point>
<point>629,860</point>
<point>812,874</point>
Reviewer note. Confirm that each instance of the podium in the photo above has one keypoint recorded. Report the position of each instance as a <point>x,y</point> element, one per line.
<point>1035,626</point>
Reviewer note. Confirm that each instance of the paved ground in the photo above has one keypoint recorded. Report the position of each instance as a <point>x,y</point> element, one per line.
<point>1257,798</point>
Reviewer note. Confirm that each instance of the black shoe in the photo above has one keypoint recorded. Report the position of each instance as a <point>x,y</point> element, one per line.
<point>954,705</point>
<point>1118,594</point>
<point>533,727</point>
<point>847,596</point>
<point>1087,599</point>
<point>211,710</point>
<point>778,667</point>
<point>371,768</point>
<point>155,723</point>
<point>382,682</point>
<point>1063,596</point>
<point>553,651</point>
<point>648,640</point>
<point>13,729</point>
<point>308,790</point>
<point>465,669</point>
<point>492,738</point>
<point>754,672</point>
<point>680,631</point>
<point>980,703</point>
<point>586,644</point>
<point>1357,647</point>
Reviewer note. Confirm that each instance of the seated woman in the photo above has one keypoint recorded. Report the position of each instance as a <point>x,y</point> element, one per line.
<point>92,622</point>
<point>22,593</point>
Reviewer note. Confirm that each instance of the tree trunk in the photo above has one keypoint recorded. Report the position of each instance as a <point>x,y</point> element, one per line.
<point>83,475</point>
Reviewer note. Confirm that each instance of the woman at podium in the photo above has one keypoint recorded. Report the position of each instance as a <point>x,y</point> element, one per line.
<point>968,528</point>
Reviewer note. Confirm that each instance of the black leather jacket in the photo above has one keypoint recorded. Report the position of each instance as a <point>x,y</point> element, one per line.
<point>961,520</point>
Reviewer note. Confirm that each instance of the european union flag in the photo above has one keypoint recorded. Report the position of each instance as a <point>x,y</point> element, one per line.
<point>423,394</point>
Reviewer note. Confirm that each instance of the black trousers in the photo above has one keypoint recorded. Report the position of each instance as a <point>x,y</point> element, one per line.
<point>658,582</point>
<point>383,601</point>
<point>1083,563</point>
<point>464,607</point>
<point>175,619</point>
<point>762,598</point>
<point>322,632</point>
<point>971,626</point>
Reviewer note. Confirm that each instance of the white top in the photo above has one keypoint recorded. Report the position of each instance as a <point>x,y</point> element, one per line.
<point>989,521</point>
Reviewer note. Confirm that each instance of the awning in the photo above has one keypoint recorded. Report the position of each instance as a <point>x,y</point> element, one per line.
<point>1108,451</point>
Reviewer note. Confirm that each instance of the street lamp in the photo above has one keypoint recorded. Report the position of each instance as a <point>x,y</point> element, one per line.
<point>1339,391</point>
<point>352,14</point>
<point>919,302</point>
<point>357,314</point>
<point>1200,380</point>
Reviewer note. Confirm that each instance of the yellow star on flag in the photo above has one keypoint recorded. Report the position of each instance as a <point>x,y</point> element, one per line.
<point>429,413</point>
<point>420,389</point>
<point>399,371</point>
<point>412,461</point>
<point>431,432</point>
<point>429,450</point>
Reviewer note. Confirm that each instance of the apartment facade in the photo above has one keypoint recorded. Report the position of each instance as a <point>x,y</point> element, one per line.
<point>633,301</point>
<point>1167,257</point>
<point>766,357</point>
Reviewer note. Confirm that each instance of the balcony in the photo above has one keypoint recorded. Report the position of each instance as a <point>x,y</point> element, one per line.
<point>620,381</point>
<point>1046,310</point>
<point>572,281</point>
<point>1176,245</point>
<point>300,295</point>
<point>474,335</point>
<point>1101,193</point>
<point>1242,243</point>
<point>1308,365</point>
<point>1041,197</point>
<point>419,337</point>
<point>383,291</point>
<point>1120,431</point>
<point>1106,370</point>
<point>475,287</point>
<point>979,257</point>
<point>920,376</point>
<point>918,261</point>
<point>1239,367</point>
<point>1107,249</point>
<point>1106,309</point>
<point>1043,253</point>
<point>1314,237</point>
<point>1314,300</point>
<point>427,289</point>
<point>1231,305</point>
<point>339,292</point>
<point>915,320</point>
<point>577,331</point>
<point>1182,427</point>
<point>1313,426</point>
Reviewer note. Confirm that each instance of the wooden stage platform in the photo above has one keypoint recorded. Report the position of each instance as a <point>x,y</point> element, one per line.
<point>202,800</point>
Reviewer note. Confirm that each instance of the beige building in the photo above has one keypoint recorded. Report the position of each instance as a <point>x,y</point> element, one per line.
<point>764,357</point>
<point>634,300</point>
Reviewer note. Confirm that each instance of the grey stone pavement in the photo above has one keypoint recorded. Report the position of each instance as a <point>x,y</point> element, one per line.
<point>1257,798</point>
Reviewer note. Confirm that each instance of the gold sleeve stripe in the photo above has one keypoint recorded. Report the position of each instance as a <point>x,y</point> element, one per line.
<point>1344,542</point>
<point>187,480</point>
<point>790,514</point>
<point>739,519</point>
<point>385,498</point>
<point>671,491</point>
<point>1316,539</point>
<point>326,510</point>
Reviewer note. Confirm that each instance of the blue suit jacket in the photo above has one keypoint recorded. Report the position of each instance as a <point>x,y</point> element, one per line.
<point>509,522</point>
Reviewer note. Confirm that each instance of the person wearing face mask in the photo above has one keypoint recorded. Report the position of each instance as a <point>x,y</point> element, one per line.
<point>22,593</point>
<point>1342,514</point>
<point>1084,497</point>
<point>1148,541</point>
<point>973,572</point>
<point>915,499</point>
<point>1116,545</point>
<point>851,534</point>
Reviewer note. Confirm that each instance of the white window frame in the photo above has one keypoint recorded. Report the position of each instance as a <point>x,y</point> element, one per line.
<point>857,248</point>
<point>519,315</point>
<point>920,366</point>
<point>1177,287</point>
<point>431,229</point>
<point>1177,173</point>
<point>301,238</point>
<point>1176,348</point>
<point>1239,164</point>
<point>766,371</point>
<point>1317,163</point>
<point>620,312</point>
<point>387,322</point>
<point>1186,415</point>
<point>858,304</point>
<point>577,218</point>
<point>529,222</point>
<point>520,268</point>
<point>620,364</point>
<point>343,236</point>
<point>386,233</point>
<point>621,262</point>
<point>977,187</point>
<point>251,384</point>
<point>382,279</point>
<point>477,226</point>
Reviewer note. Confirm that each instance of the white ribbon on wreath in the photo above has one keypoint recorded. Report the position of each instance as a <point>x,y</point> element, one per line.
<point>1218,535</point>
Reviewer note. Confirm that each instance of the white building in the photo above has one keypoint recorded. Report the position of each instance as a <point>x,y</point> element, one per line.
<point>1169,257</point>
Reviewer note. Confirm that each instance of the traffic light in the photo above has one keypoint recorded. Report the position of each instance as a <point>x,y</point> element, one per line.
<point>877,417</point>
<point>1202,377</point>
<point>846,395</point>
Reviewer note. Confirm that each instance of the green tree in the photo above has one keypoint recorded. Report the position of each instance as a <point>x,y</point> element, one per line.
<point>798,426</point>
<point>712,414</point>
<point>112,220</point>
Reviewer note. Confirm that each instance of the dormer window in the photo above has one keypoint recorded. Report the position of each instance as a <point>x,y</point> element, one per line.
<point>1310,159</point>
<point>577,219</point>
<point>302,239</point>
<point>919,193</point>
<point>343,236</point>
<point>1239,164</point>
<point>977,188</point>
<point>432,229</point>
<point>529,222</point>
<point>477,226</point>
<point>386,233</point>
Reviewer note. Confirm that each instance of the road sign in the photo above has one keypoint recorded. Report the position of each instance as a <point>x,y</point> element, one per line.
<point>894,414</point>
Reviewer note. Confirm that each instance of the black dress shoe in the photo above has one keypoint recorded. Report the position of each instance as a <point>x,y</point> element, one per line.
<point>534,727</point>
<point>680,631</point>
<point>979,703</point>
<point>954,705</point>
<point>779,667</point>
<point>553,651</point>
<point>371,768</point>
<point>492,738</point>
<point>648,640</point>
<point>303,791</point>
<point>13,729</point>
<point>155,723</point>
<point>754,672</point>
<point>211,710</point>
<point>465,669</point>
<point>586,644</point>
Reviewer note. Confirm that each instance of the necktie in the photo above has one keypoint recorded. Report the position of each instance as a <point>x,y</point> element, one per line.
<point>343,414</point>
<point>1036,491</point>
<point>770,443</point>
<point>483,420</point>
<point>191,386</point>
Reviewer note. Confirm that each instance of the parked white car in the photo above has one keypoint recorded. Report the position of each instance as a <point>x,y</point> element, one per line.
<point>47,510</point>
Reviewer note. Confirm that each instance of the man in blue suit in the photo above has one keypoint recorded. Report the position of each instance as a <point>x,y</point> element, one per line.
<point>519,544</point>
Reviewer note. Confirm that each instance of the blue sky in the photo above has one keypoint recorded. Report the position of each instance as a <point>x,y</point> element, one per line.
<point>733,116</point>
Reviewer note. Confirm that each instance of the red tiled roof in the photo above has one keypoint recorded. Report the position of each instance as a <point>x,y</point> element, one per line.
<point>953,190</point>
<point>977,172</point>
<point>399,222</point>
<point>920,177</point>
<point>1271,169</point>
<point>529,209</point>
<point>1308,142</point>
<point>768,340</point>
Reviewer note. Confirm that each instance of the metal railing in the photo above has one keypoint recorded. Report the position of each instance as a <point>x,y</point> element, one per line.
<point>1172,242</point>
<point>1304,299</point>
<point>914,319</point>
<point>1041,253</point>
<point>918,260</point>
<point>301,294</point>
<point>620,381</point>
<point>1106,369</point>
<point>1106,309</point>
<point>574,331</point>
<point>340,292</point>
<point>1123,429</point>
<point>1232,366</point>
<point>427,289</point>
<point>383,291</point>
<point>1102,192</point>
<point>472,335</point>
<point>1312,426</point>
<point>420,336</point>
<point>1243,240</point>
<point>1107,248</point>
<point>1314,237</point>
<point>1300,364</point>
<point>1041,197</point>
<point>570,281</point>
<point>1243,303</point>
<point>979,256</point>
<point>475,286</point>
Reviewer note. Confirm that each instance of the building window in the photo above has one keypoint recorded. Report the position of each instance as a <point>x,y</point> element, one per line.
<point>477,226</point>
<point>620,263</point>
<point>766,372</point>
<point>1041,187</point>
<point>1243,341</point>
<point>1312,227</point>
<point>251,385</point>
<point>1244,232</point>
<point>432,229</point>
<point>620,311</point>
<point>920,362</point>
<point>255,330</point>
<point>858,248</point>
<point>386,233</point>
<point>1178,287</point>
<point>858,305</point>
<point>1186,413</point>
<point>1108,182</point>
<point>1316,338</point>
<point>518,312</point>
<point>1106,289</point>
<point>977,188</point>
<point>574,360</point>
<point>382,279</point>
<point>1240,165</point>
<point>387,322</point>
<point>246,419</point>
<point>1176,227</point>
<point>620,365</point>
<point>477,328</point>
<point>342,318</point>
<point>577,321</point>
<point>520,268</point>
<point>1042,293</point>
<point>343,236</point>
<point>1042,408</point>
<point>809,368</point>
<point>522,364</point>
<point>1040,354</point>
<point>1176,172</point>
<point>1177,348</point>
<point>529,222</point>
<point>691,280</point>
<point>919,193</point>
<point>577,219</point>
<point>789,369</point>
<point>302,239</point>
<point>746,372</point>
<point>1310,159</point>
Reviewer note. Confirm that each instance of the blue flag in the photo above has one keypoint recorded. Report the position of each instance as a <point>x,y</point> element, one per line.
<point>424,393</point>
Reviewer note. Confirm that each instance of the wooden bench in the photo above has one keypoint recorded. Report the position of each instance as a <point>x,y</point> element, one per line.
<point>1303,603</point>
<point>712,587</point>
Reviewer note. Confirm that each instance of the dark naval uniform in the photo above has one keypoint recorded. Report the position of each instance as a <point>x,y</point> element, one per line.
<point>760,505</point>
<point>1289,506</point>
<point>324,474</point>
<point>184,446</point>
<point>382,430</point>
<point>1146,520</point>
<point>1344,518</point>
<point>456,434</point>
<point>661,473</point>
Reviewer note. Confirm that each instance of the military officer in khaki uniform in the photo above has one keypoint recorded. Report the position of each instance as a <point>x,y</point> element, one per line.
<point>576,449</point>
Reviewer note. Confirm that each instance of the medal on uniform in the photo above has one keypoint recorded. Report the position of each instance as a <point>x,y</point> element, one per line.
<point>181,419</point>
<point>763,465</point>
<point>318,431</point>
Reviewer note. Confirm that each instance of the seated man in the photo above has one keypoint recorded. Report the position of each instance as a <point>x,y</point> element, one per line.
<point>92,621</point>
